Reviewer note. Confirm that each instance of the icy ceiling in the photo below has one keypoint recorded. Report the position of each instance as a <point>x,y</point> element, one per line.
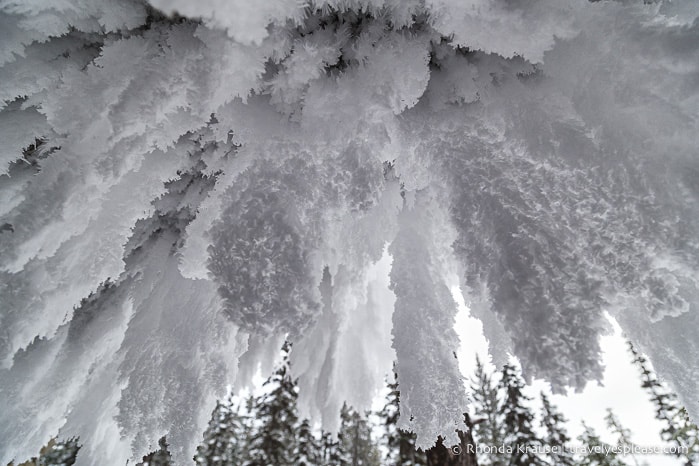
<point>181,192</point>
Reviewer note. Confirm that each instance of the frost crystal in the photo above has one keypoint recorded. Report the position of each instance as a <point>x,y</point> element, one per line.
<point>184,186</point>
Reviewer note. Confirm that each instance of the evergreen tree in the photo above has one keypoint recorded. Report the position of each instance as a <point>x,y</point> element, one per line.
<point>330,450</point>
<point>400,445</point>
<point>61,454</point>
<point>159,457</point>
<point>623,434</point>
<point>225,438</point>
<point>686,434</point>
<point>458,455</point>
<point>308,451</point>
<point>488,423</point>
<point>273,439</point>
<point>678,430</point>
<point>597,452</point>
<point>358,447</point>
<point>662,399</point>
<point>55,453</point>
<point>518,419</point>
<point>556,436</point>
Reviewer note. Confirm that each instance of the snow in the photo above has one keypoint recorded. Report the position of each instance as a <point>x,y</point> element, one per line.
<point>209,184</point>
<point>423,330</point>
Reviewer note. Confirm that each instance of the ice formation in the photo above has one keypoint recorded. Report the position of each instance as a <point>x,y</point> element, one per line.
<point>181,188</point>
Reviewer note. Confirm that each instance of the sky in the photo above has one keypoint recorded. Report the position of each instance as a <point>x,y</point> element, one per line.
<point>620,390</point>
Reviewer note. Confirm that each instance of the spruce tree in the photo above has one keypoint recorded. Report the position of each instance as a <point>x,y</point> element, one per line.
<point>597,452</point>
<point>60,453</point>
<point>686,434</point>
<point>518,418</point>
<point>225,438</point>
<point>463,454</point>
<point>330,450</point>
<point>308,450</point>
<point>400,445</point>
<point>54,453</point>
<point>488,425</point>
<point>678,430</point>
<point>556,436</point>
<point>623,434</point>
<point>273,439</point>
<point>159,457</point>
<point>662,399</point>
<point>358,447</point>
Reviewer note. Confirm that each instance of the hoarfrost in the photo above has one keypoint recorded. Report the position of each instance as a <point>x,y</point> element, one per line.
<point>179,194</point>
